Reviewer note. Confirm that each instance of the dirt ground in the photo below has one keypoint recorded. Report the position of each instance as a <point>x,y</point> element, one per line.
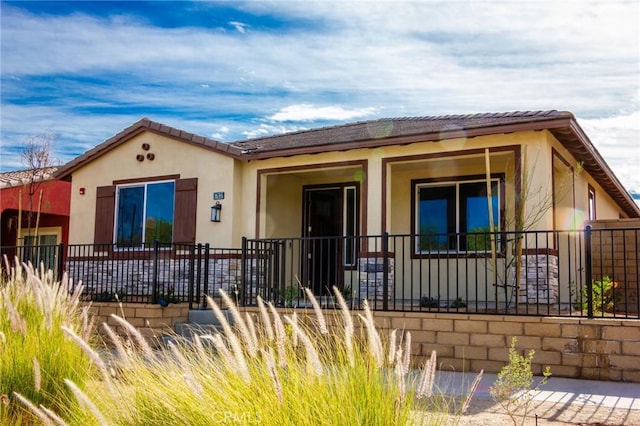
<point>485,412</point>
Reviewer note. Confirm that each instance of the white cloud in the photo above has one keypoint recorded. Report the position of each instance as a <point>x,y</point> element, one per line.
<point>221,134</point>
<point>617,138</point>
<point>308,112</point>
<point>269,130</point>
<point>239,26</point>
<point>352,61</point>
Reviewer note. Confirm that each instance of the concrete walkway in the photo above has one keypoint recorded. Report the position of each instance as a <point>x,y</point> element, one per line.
<point>560,390</point>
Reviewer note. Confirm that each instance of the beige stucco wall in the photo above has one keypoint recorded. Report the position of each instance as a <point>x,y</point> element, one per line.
<point>214,172</point>
<point>281,184</point>
<point>606,208</point>
<point>282,180</point>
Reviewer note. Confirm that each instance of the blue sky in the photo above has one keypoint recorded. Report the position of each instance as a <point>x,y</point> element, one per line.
<point>231,70</point>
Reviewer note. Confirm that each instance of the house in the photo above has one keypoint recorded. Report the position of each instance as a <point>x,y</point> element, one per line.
<point>34,211</point>
<point>336,205</point>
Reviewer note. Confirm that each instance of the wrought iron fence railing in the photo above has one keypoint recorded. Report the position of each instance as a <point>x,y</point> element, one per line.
<point>586,272</point>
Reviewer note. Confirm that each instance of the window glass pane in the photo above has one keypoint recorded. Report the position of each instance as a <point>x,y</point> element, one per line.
<point>48,239</point>
<point>159,214</point>
<point>474,214</point>
<point>130,213</point>
<point>29,240</point>
<point>437,218</point>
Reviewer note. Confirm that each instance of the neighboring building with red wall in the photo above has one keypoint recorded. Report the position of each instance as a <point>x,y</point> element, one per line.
<point>20,196</point>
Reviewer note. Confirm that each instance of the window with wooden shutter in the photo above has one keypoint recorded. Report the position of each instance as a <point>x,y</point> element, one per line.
<point>184,228</point>
<point>105,208</point>
<point>183,213</point>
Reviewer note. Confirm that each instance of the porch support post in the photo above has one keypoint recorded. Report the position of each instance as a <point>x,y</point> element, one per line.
<point>374,185</point>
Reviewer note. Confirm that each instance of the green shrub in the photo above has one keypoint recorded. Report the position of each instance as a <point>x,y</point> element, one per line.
<point>605,296</point>
<point>513,386</point>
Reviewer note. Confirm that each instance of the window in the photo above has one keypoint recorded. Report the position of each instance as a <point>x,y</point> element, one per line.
<point>454,216</point>
<point>144,213</point>
<point>592,203</point>
<point>40,249</point>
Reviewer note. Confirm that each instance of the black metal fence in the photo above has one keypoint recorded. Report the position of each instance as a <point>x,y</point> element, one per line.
<point>586,273</point>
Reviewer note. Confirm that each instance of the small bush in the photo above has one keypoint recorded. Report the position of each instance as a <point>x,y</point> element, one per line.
<point>513,386</point>
<point>605,296</point>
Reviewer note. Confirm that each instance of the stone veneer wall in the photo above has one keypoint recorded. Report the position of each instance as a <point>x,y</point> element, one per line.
<point>538,279</point>
<point>371,277</point>
<point>136,276</point>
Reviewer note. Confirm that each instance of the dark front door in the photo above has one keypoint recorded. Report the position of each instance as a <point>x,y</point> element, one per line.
<point>323,226</point>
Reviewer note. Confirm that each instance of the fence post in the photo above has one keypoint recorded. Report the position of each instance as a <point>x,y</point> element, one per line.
<point>198,278</point>
<point>282,268</point>
<point>243,271</point>
<point>192,257</point>
<point>60,265</point>
<point>385,271</point>
<point>154,282</point>
<point>588,273</point>
<point>205,287</point>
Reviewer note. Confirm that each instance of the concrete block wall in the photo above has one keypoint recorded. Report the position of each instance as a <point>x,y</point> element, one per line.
<point>598,349</point>
<point>151,320</point>
<point>601,349</point>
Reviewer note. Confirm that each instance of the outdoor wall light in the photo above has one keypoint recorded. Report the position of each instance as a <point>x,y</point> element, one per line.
<point>216,209</point>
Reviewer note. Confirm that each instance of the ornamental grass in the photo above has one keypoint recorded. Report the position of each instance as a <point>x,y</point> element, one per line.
<point>267,368</point>
<point>36,353</point>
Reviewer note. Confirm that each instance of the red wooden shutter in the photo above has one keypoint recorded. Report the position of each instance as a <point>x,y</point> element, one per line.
<point>184,218</point>
<point>105,209</point>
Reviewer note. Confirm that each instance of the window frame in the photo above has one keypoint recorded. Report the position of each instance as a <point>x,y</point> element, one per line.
<point>145,184</point>
<point>50,250</point>
<point>350,202</point>
<point>456,182</point>
<point>591,202</point>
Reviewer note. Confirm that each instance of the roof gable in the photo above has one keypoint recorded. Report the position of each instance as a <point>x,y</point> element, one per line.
<point>145,125</point>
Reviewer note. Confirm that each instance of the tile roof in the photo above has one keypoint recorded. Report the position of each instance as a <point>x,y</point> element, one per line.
<point>390,129</point>
<point>20,177</point>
